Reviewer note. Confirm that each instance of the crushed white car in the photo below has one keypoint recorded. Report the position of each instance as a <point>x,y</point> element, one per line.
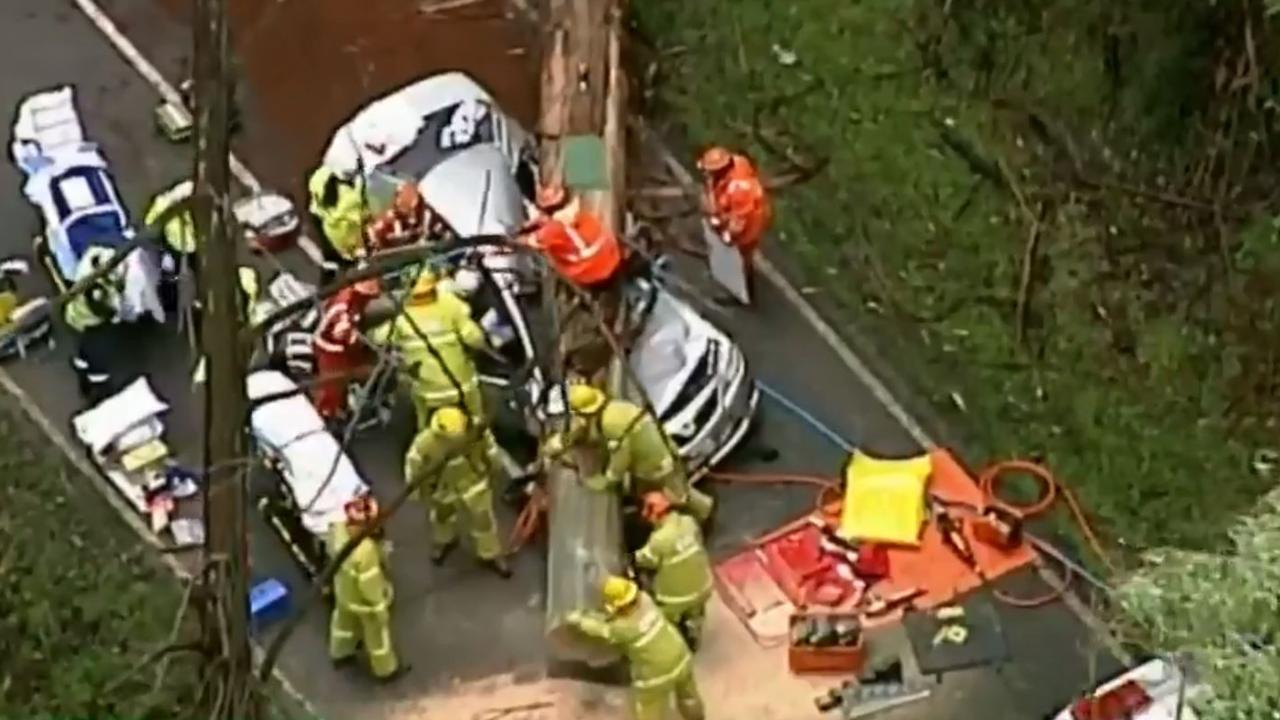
<point>476,166</point>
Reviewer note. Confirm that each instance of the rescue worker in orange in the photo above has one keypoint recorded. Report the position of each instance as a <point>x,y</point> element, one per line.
<point>735,203</point>
<point>575,241</point>
<point>406,222</point>
<point>339,350</point>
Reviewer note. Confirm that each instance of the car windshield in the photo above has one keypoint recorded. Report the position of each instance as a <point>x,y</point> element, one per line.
<point>660,353</point>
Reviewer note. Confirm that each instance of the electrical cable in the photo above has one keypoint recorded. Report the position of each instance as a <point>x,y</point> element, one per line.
<point>795,408</point>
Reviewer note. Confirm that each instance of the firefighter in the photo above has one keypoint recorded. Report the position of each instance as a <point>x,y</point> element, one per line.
<point>339,349</point>
<point>735,203</point>
<point>680,565</point>
<point>574,240</point>
<point>337,206</point>
<point>453,452</point>
<point>660,663</point>
<point>404,223</point>
<point>433,334</point>
<point>91,314</point>
<point>641,457</point>
<point>362,595</point>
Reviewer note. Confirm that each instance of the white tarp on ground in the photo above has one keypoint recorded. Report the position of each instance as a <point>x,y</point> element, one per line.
<point>69,182</point>
<point>321,476</point>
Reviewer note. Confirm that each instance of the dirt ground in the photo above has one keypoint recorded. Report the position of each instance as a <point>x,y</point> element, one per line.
<point>384,44</point>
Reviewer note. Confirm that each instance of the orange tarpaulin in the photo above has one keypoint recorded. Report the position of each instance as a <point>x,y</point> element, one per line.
<point>788,556</point>
<point>932,566</point>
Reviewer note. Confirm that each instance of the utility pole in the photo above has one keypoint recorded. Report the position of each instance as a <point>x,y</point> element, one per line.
<point>584,93</point>
<point>225,611</point>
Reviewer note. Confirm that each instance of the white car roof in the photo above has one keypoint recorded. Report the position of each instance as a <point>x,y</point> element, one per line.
<point>475,192</point>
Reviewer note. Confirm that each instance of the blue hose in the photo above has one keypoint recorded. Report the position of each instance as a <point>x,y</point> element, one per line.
<point>806,416</point>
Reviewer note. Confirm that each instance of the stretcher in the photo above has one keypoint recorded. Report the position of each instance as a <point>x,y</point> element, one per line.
<point>69,182</point>
<point>317,478</point>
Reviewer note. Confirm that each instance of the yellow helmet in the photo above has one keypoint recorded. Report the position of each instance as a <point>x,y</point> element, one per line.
<point>619,593</point>
<point>585,399</point>
<point>425,284</point>
<point>451,421</point>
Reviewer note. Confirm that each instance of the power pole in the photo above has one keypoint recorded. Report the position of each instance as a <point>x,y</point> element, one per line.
<point>225,612</point>
<point>584,93</point>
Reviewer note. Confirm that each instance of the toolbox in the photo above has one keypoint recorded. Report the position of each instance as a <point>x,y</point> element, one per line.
<point>830,642</point>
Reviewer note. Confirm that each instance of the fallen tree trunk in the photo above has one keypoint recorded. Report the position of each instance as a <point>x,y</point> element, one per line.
<point>583,93</point>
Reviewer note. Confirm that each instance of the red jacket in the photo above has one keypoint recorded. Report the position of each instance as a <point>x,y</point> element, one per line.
<point>337,331</point>
<point>740,204</point>
<point>581,250</point>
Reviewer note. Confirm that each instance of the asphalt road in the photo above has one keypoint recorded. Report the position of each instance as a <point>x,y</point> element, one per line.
<point>459,623</point>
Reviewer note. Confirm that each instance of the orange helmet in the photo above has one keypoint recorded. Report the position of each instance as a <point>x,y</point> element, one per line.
<point>552,197</point>
<point>715,159</point>
<point>361,510</point>
<point>369,287</point>
<point>656,504</point>
<point>409,202</point>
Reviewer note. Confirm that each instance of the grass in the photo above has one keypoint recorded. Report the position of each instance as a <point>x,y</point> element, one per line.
<point>944,137</point>
<point>81,602</point>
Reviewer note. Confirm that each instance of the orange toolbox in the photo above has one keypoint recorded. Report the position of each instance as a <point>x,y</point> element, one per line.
<point>826,643</point>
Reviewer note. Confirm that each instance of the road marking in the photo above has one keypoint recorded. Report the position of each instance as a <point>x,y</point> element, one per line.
<point>170,94</point>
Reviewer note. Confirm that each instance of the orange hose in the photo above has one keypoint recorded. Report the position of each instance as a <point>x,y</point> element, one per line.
<point>528,521</point>
<point>989,481</point>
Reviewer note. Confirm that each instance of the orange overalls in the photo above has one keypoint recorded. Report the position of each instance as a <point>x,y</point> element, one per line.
<point>338,350</point>
<point>740,207</point>
<point>581,250</point>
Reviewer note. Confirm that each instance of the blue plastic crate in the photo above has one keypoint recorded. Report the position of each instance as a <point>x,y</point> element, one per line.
<point>269,602</point>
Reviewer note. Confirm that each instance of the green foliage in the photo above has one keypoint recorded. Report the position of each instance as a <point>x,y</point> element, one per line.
<point>1223,611</point>
<point>950,135</point>
<point>81,602</point>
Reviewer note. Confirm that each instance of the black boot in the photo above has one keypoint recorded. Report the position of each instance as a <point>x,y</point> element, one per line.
<point>402,670</point>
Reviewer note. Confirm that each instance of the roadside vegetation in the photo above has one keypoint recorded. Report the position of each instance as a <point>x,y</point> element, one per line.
<point>82,604</point>
<point>1056,218</point>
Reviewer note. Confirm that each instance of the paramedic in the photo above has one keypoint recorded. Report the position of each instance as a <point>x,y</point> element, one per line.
<point>362,595</point>
<point>680,565</point>
<point>574,240</point>
<point>404,223</point>
<point>91,314</point>
<point>339,349</point>
<point>433,334</point>
<point>736,204</point>
<point>641,457</point>
<point>180,259</point>
<point>453,454</point>
<point>661,666</point>
<point>337,207</point>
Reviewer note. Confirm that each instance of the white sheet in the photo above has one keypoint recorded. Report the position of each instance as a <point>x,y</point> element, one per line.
<point>293,430</point>
<point>110,419</point>
<point>46,122</point>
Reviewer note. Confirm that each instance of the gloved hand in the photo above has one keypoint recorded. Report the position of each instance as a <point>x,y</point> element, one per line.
<point>575,617</point>
<point>598,482</point>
